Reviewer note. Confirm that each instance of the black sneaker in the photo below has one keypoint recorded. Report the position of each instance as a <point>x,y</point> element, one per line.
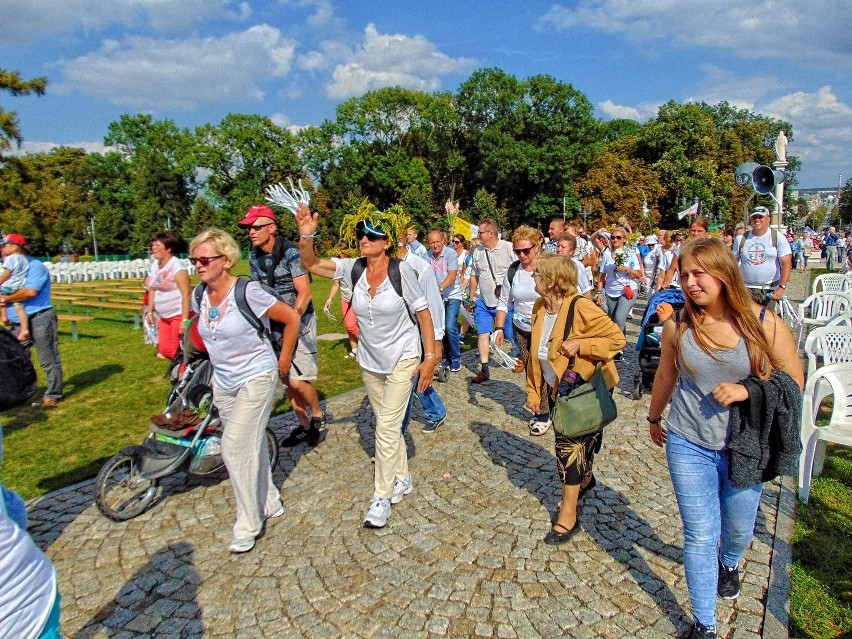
<point>431,427</point>
<point>318,422</point>
<point>729,582</point>
<point>697,631</point>
<point>311,436</point>
<point>618,356</point>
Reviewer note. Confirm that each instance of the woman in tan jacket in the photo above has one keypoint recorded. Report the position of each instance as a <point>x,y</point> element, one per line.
<point>592,338</point>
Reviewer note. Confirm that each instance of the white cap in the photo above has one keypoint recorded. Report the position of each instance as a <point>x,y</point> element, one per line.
<point>651,239</point>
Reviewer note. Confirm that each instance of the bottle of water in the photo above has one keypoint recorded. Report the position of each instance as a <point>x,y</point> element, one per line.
<point>213,446</point>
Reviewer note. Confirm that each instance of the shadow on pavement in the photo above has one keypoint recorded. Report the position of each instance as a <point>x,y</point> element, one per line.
<point>160,598</point>
<point>606,515</point>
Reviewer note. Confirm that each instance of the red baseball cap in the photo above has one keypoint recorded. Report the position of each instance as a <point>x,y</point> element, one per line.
<point>255,213</point>
<point>14,238</point>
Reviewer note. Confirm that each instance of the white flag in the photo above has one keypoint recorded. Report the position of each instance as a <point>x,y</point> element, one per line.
<point>692,210</point>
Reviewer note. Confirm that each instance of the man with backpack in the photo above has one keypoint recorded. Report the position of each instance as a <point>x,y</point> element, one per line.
<point>765,258</point>
<point>275,261</point>
<point>44,326</point>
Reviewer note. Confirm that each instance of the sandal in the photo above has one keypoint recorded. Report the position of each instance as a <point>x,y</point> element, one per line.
<point>538,428</point>
<point>350,355</point>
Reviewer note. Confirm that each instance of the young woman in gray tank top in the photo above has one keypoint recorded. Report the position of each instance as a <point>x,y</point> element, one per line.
<point>722,338</point>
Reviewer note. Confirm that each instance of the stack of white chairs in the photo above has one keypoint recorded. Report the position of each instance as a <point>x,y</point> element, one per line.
<point>835,380</point>
<point>820,308</point>
<point>830,283</point>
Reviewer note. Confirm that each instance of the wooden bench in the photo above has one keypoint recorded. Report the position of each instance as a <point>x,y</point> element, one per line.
<point>134,307</point>
<point>74,319</point>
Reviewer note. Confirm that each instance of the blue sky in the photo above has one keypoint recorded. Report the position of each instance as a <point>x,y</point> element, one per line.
<point>195,61</point>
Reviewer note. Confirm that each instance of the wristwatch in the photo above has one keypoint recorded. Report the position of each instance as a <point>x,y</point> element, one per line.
<point>782,286</point>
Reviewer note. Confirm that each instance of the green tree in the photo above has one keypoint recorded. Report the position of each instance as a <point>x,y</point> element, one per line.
<point>845,204</point>
<point>11,81</point>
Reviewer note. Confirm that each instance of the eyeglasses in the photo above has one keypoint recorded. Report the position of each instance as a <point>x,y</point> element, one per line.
<point>204,261</point>
<point>523,251</point>
<point>618,237</point>
<point>257,227</point>
<point>456,241</point>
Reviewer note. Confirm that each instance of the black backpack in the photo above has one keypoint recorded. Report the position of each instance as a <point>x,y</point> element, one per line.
<point>18,376</point>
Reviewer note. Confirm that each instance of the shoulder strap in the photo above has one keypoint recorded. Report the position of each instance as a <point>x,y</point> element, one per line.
<point>395,277</point>
<point>357,270</point>
<point>774,237</point>
<point>570,319</point>
<point>490,268</point>
<point>513,268</point>
<point>245,308</point>
<point>198,292</point>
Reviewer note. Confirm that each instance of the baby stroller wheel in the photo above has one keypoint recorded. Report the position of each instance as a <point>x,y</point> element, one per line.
<point>442,373</point>
<point>274,448</point>
<point>638,386</point>
<point>121,493</point>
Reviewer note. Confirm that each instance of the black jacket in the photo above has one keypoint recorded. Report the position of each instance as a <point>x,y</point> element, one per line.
<point>765,439</point>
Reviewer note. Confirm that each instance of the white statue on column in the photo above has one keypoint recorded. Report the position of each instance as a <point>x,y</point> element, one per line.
<point>781,147</point>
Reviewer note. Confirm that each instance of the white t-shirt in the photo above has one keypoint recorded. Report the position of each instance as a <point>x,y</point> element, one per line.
<point>27,582</point>
<point>447,261</point>
<point>520,292</point>
<point>584,284</point>
<point>386,333</point>
<point>236,351</point>
<point>652,262</point>
<point>544,347</point>
<point>666,259</point>
<point>615,282</point>
<point>428,281</point>
<point>19,265</point>
<point>167,297</point>
<point>499,258</point>
<point>759,261</point>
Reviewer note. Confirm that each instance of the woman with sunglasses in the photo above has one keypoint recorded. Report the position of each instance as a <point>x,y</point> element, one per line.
<point>519,294</point>
<point>245,378</point>
<point>389,350</point>
<point>620,275</point>
<point>592,339</point>
<point>168,289</point>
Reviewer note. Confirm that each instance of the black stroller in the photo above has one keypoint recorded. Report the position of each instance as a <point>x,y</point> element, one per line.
<point>185,437</point>
<point>648,344</point>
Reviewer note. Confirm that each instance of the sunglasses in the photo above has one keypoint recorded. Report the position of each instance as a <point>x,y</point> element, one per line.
<point>370,235</point>
<point>523,251</point>
<point>204,261</point>
<point>456,241</point>
<point>257,227</point>
<point>618,237</point>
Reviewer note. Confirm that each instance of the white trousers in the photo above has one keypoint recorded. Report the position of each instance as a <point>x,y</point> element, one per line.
<point>245,414</point>
<point>388,395</point>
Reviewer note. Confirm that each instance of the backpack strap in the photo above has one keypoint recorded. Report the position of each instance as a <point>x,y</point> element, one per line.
<point>393,275</point>
<point>242,304</point>
<point>569,322</point>
<point>513,268</point>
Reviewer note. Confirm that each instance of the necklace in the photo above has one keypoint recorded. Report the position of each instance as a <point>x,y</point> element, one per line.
<point>213,312</point>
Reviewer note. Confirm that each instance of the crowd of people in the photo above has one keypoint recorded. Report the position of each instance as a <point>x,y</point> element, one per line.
<point>562,302</point>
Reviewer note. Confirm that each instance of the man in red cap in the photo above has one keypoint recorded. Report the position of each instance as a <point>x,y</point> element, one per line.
<point>276,263</point>
<point>13,276</point>
<point>44,326</point>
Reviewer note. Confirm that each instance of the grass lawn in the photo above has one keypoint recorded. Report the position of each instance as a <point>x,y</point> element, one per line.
<point>113,384</point>
<point>821,595</point>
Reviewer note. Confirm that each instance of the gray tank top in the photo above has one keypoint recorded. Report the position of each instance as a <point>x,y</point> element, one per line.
<point>695,414</point>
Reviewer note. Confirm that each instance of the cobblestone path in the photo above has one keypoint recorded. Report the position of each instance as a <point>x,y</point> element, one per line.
<point>461,556</point>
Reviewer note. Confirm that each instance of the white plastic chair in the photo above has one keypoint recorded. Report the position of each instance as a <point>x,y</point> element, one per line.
<point>841,320</point>
<point>820,308</point>
<point>839,429</point>
<point>830,283</point>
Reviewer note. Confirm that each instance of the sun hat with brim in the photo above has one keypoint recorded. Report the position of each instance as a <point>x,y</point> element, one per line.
<point>651,239</point>
<point>14,238</point>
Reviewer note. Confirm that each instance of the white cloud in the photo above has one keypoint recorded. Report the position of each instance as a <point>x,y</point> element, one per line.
<point>739,91</point>
<point>803,32</point>
<point>24,20</point>
<point>29,147</point>
<point>640,113</point>
<point>145,73</point>
<point>389,60</point>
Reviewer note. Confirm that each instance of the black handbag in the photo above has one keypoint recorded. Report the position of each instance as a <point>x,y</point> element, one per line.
<point>587,407</point>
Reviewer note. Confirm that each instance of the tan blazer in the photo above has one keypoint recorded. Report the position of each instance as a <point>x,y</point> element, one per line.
<point>599,339</point>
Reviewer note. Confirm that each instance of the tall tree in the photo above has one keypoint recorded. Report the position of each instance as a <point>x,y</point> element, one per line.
<point>11,81</point>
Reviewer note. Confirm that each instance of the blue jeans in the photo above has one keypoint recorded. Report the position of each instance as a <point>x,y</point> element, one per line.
<point>713,513</point>
<point>617,308</point>
<point>452,349</point>
<point>432,405</point>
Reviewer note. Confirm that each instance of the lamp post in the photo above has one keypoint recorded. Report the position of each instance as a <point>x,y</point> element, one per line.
<point>94,239</point>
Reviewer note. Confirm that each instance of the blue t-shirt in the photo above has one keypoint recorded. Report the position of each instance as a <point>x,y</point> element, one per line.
<point>37,279</point>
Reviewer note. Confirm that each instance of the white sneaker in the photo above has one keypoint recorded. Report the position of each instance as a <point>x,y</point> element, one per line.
<point>278,512</point>
<point>241,545</point>
<point>401,488</point>
<point>377,513</point>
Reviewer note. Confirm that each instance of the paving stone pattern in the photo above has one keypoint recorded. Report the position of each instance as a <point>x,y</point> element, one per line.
<point>461,556</point>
